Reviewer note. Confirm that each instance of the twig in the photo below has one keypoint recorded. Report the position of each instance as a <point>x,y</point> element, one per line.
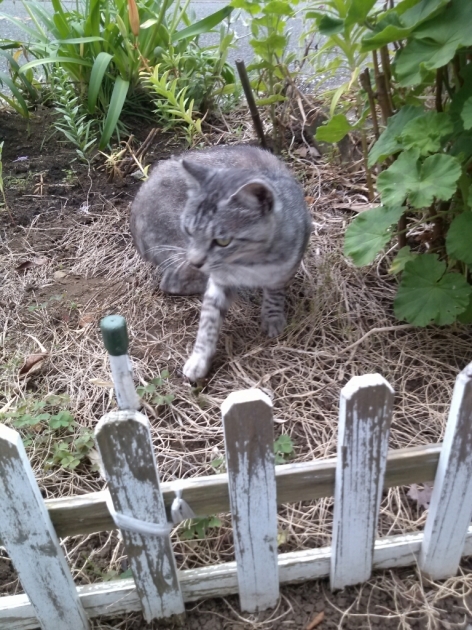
<point>316,621</point>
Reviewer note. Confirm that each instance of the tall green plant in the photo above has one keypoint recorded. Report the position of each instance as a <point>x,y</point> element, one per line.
<point>343,24</point>
<point>426,148</point>
<point>104,45</point>
<point>274,62</point>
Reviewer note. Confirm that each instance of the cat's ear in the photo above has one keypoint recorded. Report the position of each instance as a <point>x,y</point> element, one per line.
<point>256,195</point>
<point>195,173</point>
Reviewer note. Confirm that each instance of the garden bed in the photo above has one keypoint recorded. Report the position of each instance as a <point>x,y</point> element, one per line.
<point>68,260</point>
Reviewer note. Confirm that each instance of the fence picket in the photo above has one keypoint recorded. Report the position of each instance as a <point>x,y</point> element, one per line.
<point>249,440</point>
<point>28,535</point>
<point>450,509</point>
<point>124,442</point>
<point>364,423</point>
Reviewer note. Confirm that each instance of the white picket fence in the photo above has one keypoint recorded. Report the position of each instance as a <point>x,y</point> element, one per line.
<point>251,489</point>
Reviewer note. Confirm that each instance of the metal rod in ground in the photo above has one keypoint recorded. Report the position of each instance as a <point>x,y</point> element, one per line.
<point>241,67</point>
<point>115,338</point>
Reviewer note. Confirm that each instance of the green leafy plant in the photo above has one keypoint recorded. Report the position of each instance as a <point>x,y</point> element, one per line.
<point>274,67</point>
<point>73,121</point>
<point>103,46</point>
<point>150,391</point>
<point>2,189</point>
<point>283,449</point>
<point>45,423</point>
<point>22,88</point>
<point>172,104</point>
<point>342,23</point>
<point>426,150</point>
<point>198,527</point>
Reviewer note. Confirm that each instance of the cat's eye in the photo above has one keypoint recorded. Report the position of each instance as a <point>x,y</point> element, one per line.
<point>223,242</point>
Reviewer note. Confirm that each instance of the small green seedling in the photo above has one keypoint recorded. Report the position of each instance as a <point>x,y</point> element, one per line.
<point>198,527</point>
<point>150,394</point>
<point>44,422</point>
<point>283,449</point>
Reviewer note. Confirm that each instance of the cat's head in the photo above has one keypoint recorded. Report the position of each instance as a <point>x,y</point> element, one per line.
<point>229,216</point>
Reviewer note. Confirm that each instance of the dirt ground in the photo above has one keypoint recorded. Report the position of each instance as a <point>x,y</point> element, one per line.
<point>67,260</point>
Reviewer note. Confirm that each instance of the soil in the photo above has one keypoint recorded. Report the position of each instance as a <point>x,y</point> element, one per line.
<point>42,178</point>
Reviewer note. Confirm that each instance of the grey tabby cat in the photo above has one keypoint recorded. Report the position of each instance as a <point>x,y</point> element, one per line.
<point>219,219</point>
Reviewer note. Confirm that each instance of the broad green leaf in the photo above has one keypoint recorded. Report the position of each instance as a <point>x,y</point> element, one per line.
<point>358,11</point>
<point>328,25</point>
<point>437,179</point>
<point>395,183</point>
<point>421,183</point>
<point>425,132</point>
<point>420,12</point>
<point>391,33</point>
<point>466,316</point>
<point>466,113</point>
<point>369,232</point>
<point>334,130</point>
<point>120,90</point>
<point>96,77</point>
<point>278,7</point>
<point>395,26</point>
<point>388,143</point>
<point>435,42</point>
<point>428,294</point>
<point>404,255</point>
<point>203,26</point>
<point>459,238</point>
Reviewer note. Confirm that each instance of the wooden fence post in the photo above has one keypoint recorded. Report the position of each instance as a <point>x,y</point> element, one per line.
<point>249,440</point>
<point>28,535</point>
<point>115,338</point>
<point>450,509</point>
<point>124,442</point>
<point>364,423</point>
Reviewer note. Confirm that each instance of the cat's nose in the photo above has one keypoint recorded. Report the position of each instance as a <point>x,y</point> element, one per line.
<point>196,259</point>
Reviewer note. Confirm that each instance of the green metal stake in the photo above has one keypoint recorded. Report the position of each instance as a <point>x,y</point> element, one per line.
<point>115,338</point>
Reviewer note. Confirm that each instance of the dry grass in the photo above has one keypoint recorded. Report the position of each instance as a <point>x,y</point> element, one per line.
<point>341,325</point>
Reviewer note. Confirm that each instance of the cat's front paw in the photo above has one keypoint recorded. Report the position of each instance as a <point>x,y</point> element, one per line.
<point>196,367</point>
<point>273,326</point>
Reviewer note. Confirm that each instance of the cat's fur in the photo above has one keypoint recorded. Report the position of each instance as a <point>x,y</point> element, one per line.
<point>240,193</point>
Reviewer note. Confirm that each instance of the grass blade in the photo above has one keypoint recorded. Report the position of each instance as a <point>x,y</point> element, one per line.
<point>21,108</point>
<point>96,77</point>
<point>61,60</point>
<point>203,26</point>
<point>116,105</point>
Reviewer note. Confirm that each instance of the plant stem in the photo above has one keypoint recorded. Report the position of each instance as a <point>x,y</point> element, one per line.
<point>367,86</point>
<point>439,84</point>
<point>401,231</point>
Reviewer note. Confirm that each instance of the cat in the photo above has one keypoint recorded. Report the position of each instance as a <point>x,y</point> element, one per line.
<point>217,219</point>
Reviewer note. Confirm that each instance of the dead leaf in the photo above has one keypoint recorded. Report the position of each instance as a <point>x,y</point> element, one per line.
<point>27,264</point>
<point>302,152</point>
<point>86,318</point>
<point>316,621</point>
<point>282,537</point>
<point>99,382</point>
<point>96,461</point>
<point>32,364</point>
<point>58,275</point>
<point>422,496</point>
<point>309,200</point>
